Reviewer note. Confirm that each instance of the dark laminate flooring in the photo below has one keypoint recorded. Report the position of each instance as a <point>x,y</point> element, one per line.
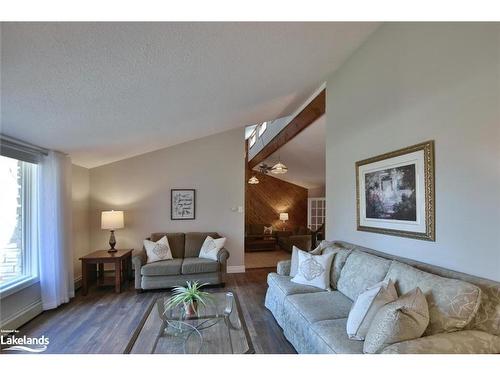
<point>104,322</point>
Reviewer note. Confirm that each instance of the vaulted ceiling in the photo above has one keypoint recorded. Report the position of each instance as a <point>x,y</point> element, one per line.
<point>305,157</point>
<point>102,92</point>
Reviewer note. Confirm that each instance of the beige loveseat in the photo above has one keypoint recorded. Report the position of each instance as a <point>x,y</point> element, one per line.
<point>186,264</point>
<point>464,310</point>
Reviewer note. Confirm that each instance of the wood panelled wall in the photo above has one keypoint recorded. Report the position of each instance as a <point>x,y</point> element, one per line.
<point>271,196</point>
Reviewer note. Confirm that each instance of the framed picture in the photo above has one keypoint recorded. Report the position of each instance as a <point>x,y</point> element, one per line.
<point>395,193</point>
<point>182,204</point>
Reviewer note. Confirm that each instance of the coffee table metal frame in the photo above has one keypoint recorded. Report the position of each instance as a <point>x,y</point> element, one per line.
<point>196,329</point>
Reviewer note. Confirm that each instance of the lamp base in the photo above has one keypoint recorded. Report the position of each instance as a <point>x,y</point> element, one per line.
<point>112,243</point>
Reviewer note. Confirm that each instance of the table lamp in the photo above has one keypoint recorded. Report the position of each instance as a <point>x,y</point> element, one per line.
<point>284,218</point>
<point>112,220</point>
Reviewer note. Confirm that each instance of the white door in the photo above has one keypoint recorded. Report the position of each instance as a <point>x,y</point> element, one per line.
<point>316,212</point>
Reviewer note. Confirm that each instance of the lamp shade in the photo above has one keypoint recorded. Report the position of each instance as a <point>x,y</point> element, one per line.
<point>253,180</point>
<point>284,216</point>
<point>279,168</point>
<point>112,220</point>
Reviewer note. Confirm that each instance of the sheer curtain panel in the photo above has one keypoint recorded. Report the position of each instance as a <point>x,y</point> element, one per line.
<point>55,228</point>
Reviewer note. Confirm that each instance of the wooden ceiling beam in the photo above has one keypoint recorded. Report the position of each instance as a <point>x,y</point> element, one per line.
<point>314,110</point>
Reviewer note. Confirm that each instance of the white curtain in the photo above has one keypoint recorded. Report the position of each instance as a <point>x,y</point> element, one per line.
<point>55,230</point>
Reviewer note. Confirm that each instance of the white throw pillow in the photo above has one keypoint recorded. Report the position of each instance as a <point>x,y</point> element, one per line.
<point>268,230</point>
<point>294,264</point>
<point>314,270</point>
<point>159,250</point>
<point>366,306</point>
<point>211,247</point>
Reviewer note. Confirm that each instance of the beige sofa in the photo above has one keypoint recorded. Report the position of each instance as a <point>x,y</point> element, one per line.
<point>464,310</point>
<point>186,264</point>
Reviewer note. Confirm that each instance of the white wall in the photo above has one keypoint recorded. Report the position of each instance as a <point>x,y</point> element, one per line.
<point>140,186</point>
<point>411,83</point>
<point>81,210</point>
<point>318,192</point>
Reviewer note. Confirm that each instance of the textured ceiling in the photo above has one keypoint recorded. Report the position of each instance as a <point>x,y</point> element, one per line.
<point>102,92</point>
<point>304,156</point>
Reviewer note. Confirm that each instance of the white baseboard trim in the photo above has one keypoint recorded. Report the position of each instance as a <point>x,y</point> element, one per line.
<point>235,269</point>
<point>22,316</point>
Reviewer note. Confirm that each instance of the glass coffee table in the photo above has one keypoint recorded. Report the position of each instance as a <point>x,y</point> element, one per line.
<point>216,328</point>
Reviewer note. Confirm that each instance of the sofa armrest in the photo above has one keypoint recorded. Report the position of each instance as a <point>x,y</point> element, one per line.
<point>222,257</point>
<point>138,260</point>
<point>283,267</point>
<point>461,342</point>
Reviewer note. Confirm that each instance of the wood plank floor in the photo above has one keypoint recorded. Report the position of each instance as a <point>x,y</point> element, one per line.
<point>103,322</point>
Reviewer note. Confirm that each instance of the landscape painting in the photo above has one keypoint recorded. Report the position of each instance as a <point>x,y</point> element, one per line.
<point>390,194</point>
<point>395,193</point>
<point>182,204</point>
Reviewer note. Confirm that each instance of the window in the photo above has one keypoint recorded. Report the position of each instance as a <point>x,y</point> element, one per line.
<point>253,139</point>
<point>316,212</point>
<point>262,128</point>
<point>18,262</point>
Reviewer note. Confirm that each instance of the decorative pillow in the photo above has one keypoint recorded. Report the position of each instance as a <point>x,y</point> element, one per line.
<point>314,270</point>
<point>268,230</point>
<point>159,250</point>
<point>366,306</point>
<point>401,320</point>
<point>294,265</point>
<point>452,303</point>
<point>211,247</point>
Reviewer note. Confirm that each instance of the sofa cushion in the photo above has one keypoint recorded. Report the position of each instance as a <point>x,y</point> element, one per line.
<point>339,260</point>
<point>452,303</point>
<point>401,320</point>
<point>280,287</point>
<point>331,334</point>
<point>361,271</point>
<point>199,265</point>
<point>194,241</point>
<point>162,268</point>
<point>320,306</point>
<point>460,342</point>
<point>288,287</point>
<point>175,240</point>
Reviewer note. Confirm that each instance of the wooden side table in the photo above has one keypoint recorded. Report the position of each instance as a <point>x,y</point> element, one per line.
<point>122,259</point>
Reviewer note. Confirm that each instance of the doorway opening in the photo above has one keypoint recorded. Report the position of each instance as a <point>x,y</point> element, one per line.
<point>285,203</point>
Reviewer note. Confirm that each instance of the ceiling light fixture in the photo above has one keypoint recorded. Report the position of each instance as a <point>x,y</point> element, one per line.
<point>253,180</point>
<point>279,168</point>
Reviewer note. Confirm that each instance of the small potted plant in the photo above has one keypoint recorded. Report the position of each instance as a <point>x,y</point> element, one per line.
<point>190,296</point>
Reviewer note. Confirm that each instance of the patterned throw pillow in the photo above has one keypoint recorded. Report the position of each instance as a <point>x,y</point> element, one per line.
<point>401,320</point>
<point>159,250</point>
<point>268,230</point>
<point>366,306</point>
<point>294,265</point>
<point>314,270</point>
<point>211,247</point>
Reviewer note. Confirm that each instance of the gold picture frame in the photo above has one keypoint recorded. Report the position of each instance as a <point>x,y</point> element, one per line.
<point>379,180</point>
